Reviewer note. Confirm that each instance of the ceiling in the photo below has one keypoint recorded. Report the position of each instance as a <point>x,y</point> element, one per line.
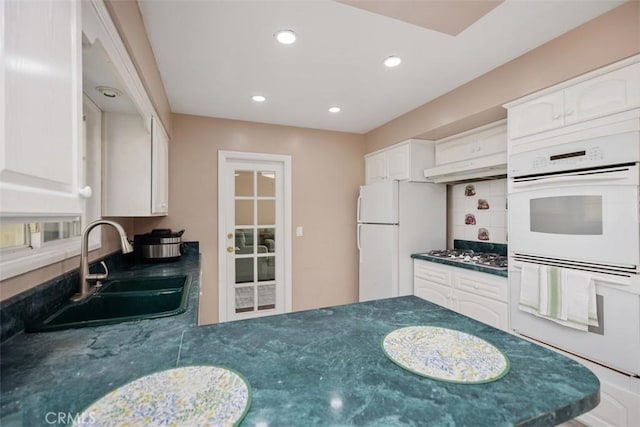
<point>213,55</point>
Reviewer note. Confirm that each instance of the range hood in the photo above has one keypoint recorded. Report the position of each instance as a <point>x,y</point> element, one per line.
<point>487,167</point>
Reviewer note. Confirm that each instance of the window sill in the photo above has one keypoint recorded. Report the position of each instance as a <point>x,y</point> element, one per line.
<point>32,259</point>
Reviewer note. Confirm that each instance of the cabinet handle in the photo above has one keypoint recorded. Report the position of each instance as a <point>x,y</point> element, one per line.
<point>556,116</point>
<point>85,192</point>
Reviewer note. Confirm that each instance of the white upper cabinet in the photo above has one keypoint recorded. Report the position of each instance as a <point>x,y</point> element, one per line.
<point>601,93</point>
<point>480,142</point>
<point>476,153</point>
<point>615,91</point>
<point>135,179</point>
<point>403,162</point>
<point>41,109</point>
<point>538,115</point>
<point>135,145</point>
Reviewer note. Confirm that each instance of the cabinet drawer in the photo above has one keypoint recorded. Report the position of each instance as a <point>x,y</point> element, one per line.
<point>425,270</point>
<point>483,284</point>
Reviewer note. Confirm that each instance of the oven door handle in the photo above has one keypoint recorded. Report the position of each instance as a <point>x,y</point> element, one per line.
<point>581,178</point>
<point>515,266</point>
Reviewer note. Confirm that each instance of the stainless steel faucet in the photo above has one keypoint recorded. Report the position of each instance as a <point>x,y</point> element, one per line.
<point>87,278</point>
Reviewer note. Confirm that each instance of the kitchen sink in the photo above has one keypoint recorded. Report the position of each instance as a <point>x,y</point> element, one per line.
<point>143,284</point>
<point>122,300</point>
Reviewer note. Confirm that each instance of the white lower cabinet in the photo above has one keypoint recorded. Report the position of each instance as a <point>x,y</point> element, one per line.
<point>481,296</point>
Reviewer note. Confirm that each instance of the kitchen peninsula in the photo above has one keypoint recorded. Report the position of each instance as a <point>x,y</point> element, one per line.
<point>316,367</point>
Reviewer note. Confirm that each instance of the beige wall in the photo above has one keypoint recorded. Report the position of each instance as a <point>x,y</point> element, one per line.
<point>128,19</point>
<point>327,170</point>
<point>606,39</point>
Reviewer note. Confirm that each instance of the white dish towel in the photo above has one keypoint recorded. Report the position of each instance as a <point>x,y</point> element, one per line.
<point>562,295</point>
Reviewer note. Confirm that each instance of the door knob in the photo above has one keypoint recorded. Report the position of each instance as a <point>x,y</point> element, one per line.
<point>231,249</point>
<point>229,235</point>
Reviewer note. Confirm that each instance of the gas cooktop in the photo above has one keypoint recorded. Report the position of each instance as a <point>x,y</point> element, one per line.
<point>468,256</point>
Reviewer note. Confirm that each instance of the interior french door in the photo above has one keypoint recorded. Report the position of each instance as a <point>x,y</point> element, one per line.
<point>254,240</point>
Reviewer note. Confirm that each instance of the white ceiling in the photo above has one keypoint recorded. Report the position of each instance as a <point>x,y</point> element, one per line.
<point>214,55</point>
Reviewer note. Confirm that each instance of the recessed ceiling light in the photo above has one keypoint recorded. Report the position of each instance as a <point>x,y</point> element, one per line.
<point>285,36</point>
<point>258,98</point>
<point>334,109</point>
<point>109,92</point>
<point>392,61</point>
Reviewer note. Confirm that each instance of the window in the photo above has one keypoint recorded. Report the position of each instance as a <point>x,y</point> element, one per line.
<point>15,237</point>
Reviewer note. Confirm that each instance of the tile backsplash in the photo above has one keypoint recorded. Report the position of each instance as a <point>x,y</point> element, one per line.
<point>479,211</point>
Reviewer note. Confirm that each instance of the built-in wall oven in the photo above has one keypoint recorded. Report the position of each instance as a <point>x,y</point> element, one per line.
<point>575,206</point>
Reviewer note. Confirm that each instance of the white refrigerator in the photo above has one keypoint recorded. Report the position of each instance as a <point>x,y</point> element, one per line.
<point>396,219</point>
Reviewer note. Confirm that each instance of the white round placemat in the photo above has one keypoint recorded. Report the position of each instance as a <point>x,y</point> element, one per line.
<point>445,354</point>
<point>187,396</point>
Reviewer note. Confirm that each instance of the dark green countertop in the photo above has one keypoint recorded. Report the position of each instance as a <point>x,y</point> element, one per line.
<point>317,367</point>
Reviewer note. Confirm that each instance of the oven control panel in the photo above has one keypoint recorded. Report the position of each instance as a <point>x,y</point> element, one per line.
<point>571,160</point>
<point>605,151</point>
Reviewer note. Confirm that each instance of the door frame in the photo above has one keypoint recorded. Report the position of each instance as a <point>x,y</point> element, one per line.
<point>225,156</point>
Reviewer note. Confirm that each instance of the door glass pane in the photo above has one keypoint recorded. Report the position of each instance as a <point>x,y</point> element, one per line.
<point>244,270</point>
<point>567,215</point>
<point>244,241</point>
<point>244,212</point>
<point>244,299</point>
<point>266,297</point>
<point>266,184</point>
<point>266,212</point>
<point>267,239</point>
<point>266,268</point>
<point>244,183</point>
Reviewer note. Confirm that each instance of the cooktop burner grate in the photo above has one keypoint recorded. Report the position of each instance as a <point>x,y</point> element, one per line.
<point>486,259</point>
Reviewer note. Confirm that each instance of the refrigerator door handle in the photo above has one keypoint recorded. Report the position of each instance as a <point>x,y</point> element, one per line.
<point>358,237</point>
<point>358,209</point>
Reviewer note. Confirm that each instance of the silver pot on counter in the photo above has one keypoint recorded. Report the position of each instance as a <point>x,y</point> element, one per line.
<point>160,245</point>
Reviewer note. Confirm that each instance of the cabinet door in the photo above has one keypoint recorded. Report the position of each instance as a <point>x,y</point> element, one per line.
<point>398,163</point>
<point>491,141</point>
<point>537,115</point>
<point>432,292</point>
<point>610,93</point>
<point>159,170</point>
<point>126,165</point>
<point>482,309</point>
<point>455,150</point>
<point>375,168</point>
<point>41,123</point>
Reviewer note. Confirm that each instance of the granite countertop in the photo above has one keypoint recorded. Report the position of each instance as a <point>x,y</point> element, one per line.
<point>316,367</point>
